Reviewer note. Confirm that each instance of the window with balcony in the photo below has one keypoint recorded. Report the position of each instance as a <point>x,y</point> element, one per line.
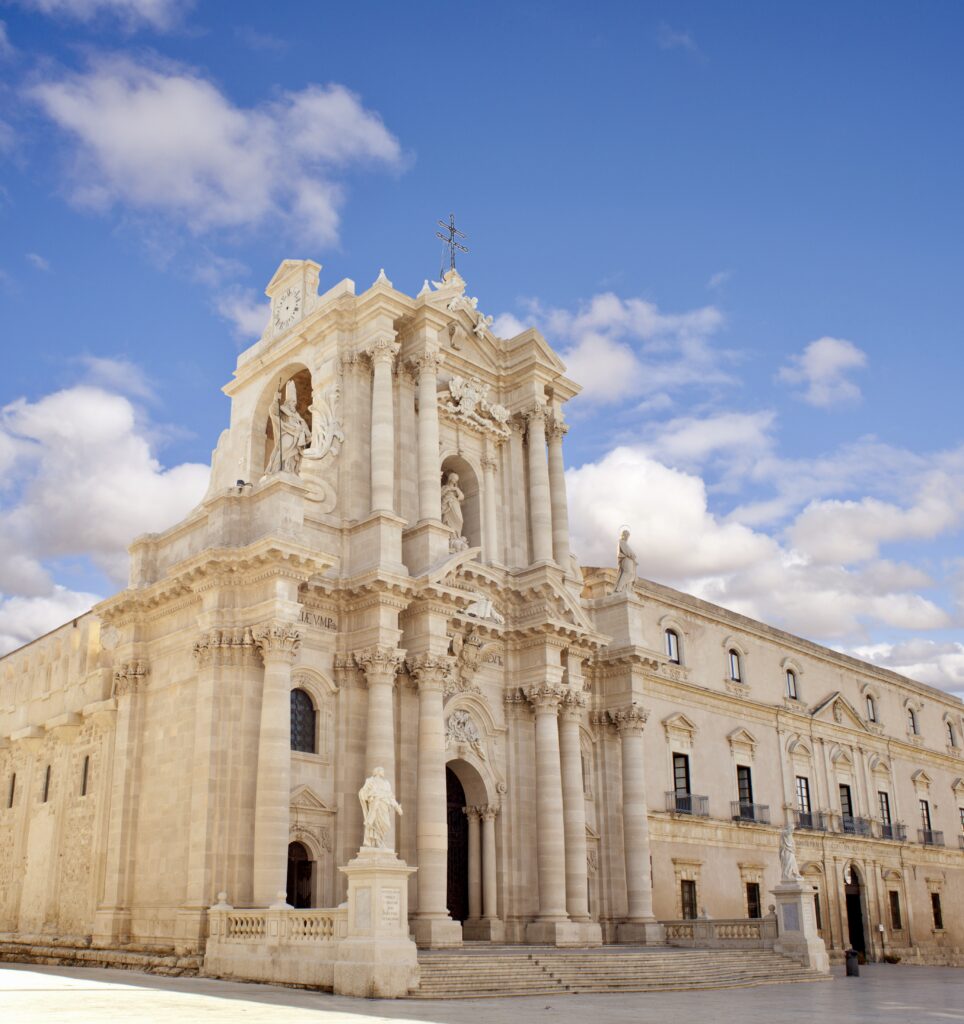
<point>753,903</point>
<point>925,815</point>
<point>883,800</point>
<point>846,802</point>
<point>688,899</point>
<point>672,646</point>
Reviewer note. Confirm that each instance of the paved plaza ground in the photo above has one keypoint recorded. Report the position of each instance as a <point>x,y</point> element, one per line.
<point>882,994</point>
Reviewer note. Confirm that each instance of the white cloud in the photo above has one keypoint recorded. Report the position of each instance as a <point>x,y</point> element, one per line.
<point>668,38</point>
<point>719,279</point>
<point>928,661</point>
<point>247,313</point>
<point>38,261</point>
<point>23,619</point>
<point>116,374</point>
<point>7,49</point>
<point>163,139</point>
<point>692,439</point>
<point>158,14</point>
<point>506,325</point>
<point>823,367</point>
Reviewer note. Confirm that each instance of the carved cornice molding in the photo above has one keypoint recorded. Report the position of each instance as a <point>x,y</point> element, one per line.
<point>380,663</point>
<point>544,697</point>
<point>129,677</point>
<point>431,670</point>
<point>278,641</point>
<point>226,647</point>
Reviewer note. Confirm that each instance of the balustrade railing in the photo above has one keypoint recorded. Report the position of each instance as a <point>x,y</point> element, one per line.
<point>930,837</point>
<point>300,926</point>
<point>709,933</point>
<point>855,826</point>
<point>742,811</point>
<point>895,830</point>
<point>813,821</point>
<point>688,803</point>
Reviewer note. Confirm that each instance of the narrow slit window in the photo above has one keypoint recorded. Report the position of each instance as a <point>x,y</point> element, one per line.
<point>736,669</point>
<point>85,775</point>
<point>871,709</point>
<point>672,646</point>
<point>791,684</point>
<point>13,790</point>
<point>46,784</point>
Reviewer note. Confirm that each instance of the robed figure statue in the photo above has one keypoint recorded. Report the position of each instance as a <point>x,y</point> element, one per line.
<point>378,805</point>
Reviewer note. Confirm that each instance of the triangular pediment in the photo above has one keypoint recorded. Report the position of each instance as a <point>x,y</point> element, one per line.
<point>836,708</point>
<point>741,738</point>
<point>531,346</point>
<point>304,798</point>
<point>921,778</point>
<point>678,722</point>
<point>288,269</point>
<point>958,786</point>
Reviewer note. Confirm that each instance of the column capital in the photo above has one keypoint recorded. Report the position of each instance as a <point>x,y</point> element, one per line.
<point>380,662</point>
<point>516,704</point>
<point>536,415</point>
<point>544,697</point>
<point>489,812</point>
<point>129,677</point>
<point>573,704</point>
<point>383,348</point>
<point>278,641</point>
<point>556,427</point>
<point>472,813</point>
<point>629,721</point>
<point>225,647</point>
<point>488,463</point>
<point>427,361</point>
<point>430,671</point>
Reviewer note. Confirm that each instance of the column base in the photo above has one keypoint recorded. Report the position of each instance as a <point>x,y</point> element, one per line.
<point>564,933</point>
<point>798,938</point>
<point>484,929</point>
<point>112,927</point>
<point>640,933</point>
<point>436,932</point>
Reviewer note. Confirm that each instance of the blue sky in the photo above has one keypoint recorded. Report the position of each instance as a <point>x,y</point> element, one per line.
<point>741,225</point>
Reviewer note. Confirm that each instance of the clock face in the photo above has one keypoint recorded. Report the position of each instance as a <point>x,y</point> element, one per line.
<point>286,308</point>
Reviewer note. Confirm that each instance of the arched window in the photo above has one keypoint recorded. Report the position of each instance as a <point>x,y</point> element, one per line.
<point>302,722</point>
<point>912,722</point>
<point>736,668</point>
<point>791,684</point>
<point>672,645</point>
<point>951,735</point>
<point>871,708</point>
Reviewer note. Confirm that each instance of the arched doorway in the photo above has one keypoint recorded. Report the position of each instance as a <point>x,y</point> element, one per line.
<point>458,865</point>
<point>300,876</point>
<point>853,892</point>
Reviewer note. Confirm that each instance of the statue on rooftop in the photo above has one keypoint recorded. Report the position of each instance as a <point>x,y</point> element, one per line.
<point>626,561</point>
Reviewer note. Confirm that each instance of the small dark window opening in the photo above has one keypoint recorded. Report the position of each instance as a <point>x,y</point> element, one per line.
<point>672,645</point>
<point>688,899</point>
<point>46,784</point>
<point>753,907</point>
<point>871,709</point>
<point>925,815</point>
<point>744,781</point>
<point>846,802</point>
<point>791,684</point>
<point>938,913</point>
<point>84,775</point>
<point>13,789</point>
<point>895,920</point>
<point>816,909</point>
<point>884,799</point>
<point>302,722</point>
<point>736,673</point>
<point>681,774</point>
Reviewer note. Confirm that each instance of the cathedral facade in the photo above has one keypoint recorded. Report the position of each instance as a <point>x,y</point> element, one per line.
<point>380,576</point>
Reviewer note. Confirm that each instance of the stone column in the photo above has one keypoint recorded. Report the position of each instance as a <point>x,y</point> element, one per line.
<point>640,925</point>
<point>550,835</point>
<point>382,353</point>
<point>380,664</point>
<point>490,896</point>
<point>489,501</point>
<point>279,643</point>
<point>557,490</point>
<point>540,516</point>
<point>571,712</point>
<point>432,926</point>
<point>475,863</point>
<point>429,470</point>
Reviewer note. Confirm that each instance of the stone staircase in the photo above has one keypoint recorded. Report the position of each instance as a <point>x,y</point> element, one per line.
<point>486,972</point>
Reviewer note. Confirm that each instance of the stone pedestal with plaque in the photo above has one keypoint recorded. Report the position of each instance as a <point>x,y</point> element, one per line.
<point>797,926</point>
<point>377,958</point>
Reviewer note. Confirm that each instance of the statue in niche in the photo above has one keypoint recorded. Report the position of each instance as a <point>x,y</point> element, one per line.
<point>626,560</point>
<point>452,498</point>
<point>378,805</point>
<point>327,435</point>
<point>459,728</point>
<point>292,435</point>
<point>789,872</point>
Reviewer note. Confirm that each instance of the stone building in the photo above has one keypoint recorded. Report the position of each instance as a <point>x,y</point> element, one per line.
<point>380,575</point>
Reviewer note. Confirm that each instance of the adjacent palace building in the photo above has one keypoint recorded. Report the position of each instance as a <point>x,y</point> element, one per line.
<point>380,576</point>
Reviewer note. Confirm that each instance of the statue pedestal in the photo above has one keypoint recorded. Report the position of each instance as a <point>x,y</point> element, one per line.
<point>641,933</point>
<point>425,545</point>
<point>797,923</point>
<point>377,958</point>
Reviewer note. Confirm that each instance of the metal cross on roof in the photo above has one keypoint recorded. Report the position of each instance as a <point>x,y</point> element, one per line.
<point>450,239</point>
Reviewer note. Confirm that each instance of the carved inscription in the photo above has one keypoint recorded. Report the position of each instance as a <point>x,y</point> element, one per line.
<point>323,621</point>
<point>391,905</point>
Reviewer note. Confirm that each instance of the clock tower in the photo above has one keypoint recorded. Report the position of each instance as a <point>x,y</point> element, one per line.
<point>293,287</point>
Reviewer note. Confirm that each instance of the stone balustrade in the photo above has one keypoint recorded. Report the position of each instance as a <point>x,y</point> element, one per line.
<point>239,926</point>
<point>728,933</point>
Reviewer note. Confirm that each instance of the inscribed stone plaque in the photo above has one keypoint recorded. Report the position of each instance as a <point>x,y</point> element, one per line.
<point>791,917</point>
<point>363,908</point>
<point>391,904</point>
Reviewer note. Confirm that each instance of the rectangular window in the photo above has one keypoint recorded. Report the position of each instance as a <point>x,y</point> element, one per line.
<point>85,772</point>
<point>846,803</point>
<point>672,646</point>
<point>791,684</point>
<point>803,794</point>
<point>681,774</point>
<point>46,784</point>
<point>816,911</point>
<point>735,673</point>
<point>753,899</point>
<point>895,921</point>
<point>936,909</point>
<point>871,709</point>
<point>688,899</point>
<point>961,809</point>
<point>925,815</point>
<point>884,800</point>
<point>13,791</point>
<point>744,782</point>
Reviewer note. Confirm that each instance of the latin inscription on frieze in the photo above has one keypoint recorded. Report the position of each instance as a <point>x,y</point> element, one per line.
<point>322,621</point>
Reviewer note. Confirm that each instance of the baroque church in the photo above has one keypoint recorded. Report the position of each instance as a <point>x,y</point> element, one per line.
<point>380,576</point>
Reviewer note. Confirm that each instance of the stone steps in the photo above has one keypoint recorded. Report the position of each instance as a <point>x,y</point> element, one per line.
<point>65,955</point>
<point>525,970</point>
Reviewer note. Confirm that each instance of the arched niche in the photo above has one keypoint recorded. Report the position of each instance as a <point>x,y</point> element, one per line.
<point>264,423</point>
<point>472,503</point>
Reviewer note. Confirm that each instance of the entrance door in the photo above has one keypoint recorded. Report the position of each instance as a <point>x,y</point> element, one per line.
<point>300,868</point>
<point>853,892</point>
<point>458,867</point>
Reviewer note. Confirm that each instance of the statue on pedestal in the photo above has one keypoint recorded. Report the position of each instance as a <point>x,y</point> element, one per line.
<point>378,805</point>
<point>292,435</point>
<point>626,560</point>
<point>789,872</point>
<point>452,498</point>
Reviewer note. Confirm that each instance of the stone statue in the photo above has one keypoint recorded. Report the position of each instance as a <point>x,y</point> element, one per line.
<point>378,804</point>
<point>789,871</point>
<point>291,431</point>
<point>326,433</point>
<point>459,728</point>
<point>452,498</point>
<point>626,560</point>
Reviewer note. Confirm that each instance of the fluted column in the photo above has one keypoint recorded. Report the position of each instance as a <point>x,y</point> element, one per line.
<point>557,491</point>
<point>489,499</point>
<point>490,896</point>
<point>475,863</point>
<point>279,644</point>
<point>550,834</point>
<point>429,472</point>
<point>571,712</point>
<point>630,723</point>
<point>380,664</point>
<point>540,516</point>
<point>382,353</point>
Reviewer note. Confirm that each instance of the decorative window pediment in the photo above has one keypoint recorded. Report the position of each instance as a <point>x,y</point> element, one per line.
<point>958,786</point>
<point>921,779</point>
<point>742,741</point>
<point>841,758</point>
<point>836,708</point>
<point>304,798</point>
<point>680,730</point>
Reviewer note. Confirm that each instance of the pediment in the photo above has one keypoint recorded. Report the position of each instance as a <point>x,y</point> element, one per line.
<point>287,269</point>
<point>530,345</point>
<point>678,722</point>
<point>741,737</point>
<point>921,778</point>
<point>304,798</point>
<point>836,708</point>
<point>958,786</point>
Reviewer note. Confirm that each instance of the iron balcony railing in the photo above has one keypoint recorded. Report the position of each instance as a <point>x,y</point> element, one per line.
<point>750,812</point>
<point>813,821</point>
<point>688,803</point>
<point>960,840</point>
<point>895,830</point>
<point>855,826</point>
<point>930,837</point>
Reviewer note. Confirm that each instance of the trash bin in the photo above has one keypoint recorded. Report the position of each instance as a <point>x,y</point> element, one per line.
<point>853,968</point>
